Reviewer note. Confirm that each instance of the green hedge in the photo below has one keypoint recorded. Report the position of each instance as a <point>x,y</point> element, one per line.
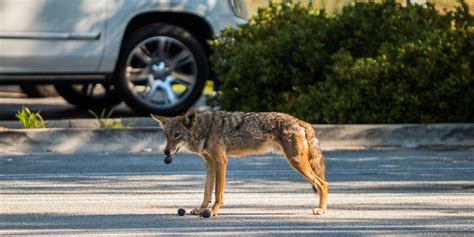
<point>371,63</point>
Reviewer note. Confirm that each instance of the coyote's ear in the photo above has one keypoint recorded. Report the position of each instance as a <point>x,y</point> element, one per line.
<point>161,120</point>
<point>190,118</point>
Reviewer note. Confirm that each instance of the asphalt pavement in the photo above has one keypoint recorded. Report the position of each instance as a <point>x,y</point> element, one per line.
<point>372,192</point>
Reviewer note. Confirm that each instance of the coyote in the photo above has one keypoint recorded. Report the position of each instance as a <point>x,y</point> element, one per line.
<point>217,135</point>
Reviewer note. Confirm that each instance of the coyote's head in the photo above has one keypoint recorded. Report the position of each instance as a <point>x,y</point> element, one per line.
<point>176,130</point>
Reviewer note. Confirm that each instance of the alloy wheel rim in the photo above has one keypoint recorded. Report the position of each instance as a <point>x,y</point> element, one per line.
<point>161,71</point>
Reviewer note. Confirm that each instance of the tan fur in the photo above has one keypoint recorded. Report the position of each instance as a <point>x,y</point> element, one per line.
<point>218,135</point>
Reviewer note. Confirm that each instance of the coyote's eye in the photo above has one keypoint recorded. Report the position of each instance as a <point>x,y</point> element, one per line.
<point>177,136</point>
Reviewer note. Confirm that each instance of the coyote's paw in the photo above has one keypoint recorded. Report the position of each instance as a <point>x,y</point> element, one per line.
<point>198,211</point>
<point>318,211</point>
<point>213,212</point>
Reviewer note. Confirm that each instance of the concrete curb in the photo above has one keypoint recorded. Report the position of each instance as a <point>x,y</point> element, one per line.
<point>150,139</point>
<point>83,140</point>
<point>397,135</point>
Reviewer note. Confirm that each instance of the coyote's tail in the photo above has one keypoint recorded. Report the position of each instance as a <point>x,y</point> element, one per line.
<point>316,159</point>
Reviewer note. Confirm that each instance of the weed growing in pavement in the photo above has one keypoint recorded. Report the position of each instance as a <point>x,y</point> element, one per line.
<point>29,119</point>
<point>104,120</point>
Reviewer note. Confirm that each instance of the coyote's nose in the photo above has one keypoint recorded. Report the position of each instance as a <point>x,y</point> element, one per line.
<point>167,152</point>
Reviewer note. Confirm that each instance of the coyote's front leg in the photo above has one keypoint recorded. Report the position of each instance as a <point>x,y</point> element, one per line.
<point>220,160</point>
<point>208,187</point>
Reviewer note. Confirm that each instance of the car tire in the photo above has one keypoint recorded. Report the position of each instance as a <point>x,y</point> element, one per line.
<point>89,96</point>
<point>39,91</point>
<point>162,70</point>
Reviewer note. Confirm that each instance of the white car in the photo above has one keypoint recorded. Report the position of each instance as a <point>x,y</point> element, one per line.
<point>152,54</point>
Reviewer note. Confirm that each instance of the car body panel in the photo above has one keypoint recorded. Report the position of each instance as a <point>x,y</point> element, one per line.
<point>84,36</point>
<point>52,35</point>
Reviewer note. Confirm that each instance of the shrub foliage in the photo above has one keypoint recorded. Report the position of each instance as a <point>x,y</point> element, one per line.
<point>371,63</point>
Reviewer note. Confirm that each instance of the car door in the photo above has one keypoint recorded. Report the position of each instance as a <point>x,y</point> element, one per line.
<point>51,36</point>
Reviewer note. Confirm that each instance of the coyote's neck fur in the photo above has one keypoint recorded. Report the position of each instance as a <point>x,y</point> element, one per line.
<point>200,132</point>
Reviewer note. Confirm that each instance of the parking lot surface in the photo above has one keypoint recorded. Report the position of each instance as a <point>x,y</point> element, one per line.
<point>371,192</point>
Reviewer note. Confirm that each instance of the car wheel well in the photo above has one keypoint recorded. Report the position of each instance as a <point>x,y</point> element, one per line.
<point>196,25</point>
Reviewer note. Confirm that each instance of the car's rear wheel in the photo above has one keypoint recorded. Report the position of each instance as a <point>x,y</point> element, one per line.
<point>89,96</point>
<point>162,70</point>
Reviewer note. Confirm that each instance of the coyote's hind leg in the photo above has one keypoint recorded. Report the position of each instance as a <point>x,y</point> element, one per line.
<point>301,165</point>
<point>296,152</point>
